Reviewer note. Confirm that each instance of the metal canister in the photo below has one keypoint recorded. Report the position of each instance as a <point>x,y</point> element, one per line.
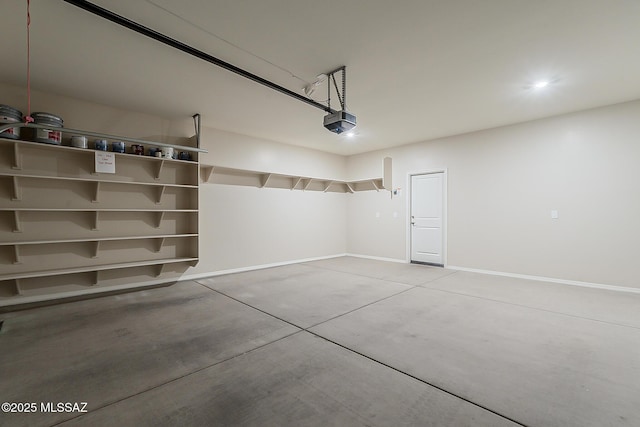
<point>137,149</point>
<point>48,136</point>
<point>100,144</point>
<point>117,147</point>
<point>10,115</point>
<point>79,141</point>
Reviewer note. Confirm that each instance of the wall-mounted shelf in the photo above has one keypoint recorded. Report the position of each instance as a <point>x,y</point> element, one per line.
<point>222,175</point>
<point>18,177</point>
<point>104,136</point>
<point>92,210</point>
<point>64,271</point>
<point>32,159</point>
<point>95,242</point>
<point>68,231</point>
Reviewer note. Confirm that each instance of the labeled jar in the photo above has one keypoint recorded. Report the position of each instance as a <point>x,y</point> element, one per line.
<point>137,149</point>
<point>100,144</point>
<point>51,134</point>
<point>79,141</point>
<point>167,152</point>
<point>117,147</point>
<point>10,115</point>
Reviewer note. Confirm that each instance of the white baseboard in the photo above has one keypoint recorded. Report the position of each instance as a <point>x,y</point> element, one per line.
<point>548,279</point>
<point>401,261</point>
<point>254,267</point>
<point>377,258</point>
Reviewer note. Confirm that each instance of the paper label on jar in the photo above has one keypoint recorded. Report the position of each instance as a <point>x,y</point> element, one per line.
<point>51,135</point>
<point>12,131</point>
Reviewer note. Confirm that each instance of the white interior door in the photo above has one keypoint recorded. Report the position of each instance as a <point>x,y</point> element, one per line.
<point>427,237</point>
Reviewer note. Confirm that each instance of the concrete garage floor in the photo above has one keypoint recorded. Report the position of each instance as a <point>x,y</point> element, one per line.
<point>342,342</point>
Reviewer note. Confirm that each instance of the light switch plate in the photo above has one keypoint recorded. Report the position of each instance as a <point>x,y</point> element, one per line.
<point>554,214</point>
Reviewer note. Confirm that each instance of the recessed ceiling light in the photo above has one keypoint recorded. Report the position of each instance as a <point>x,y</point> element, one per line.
<point>541,84</point>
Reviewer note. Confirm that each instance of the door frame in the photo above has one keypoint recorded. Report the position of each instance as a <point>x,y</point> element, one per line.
<point>445,221</point>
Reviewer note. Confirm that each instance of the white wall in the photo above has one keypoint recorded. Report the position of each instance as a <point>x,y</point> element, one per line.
<point>240,226</point>
<point>244,152</point>
<point>502,185</point>
<point>247,226</point>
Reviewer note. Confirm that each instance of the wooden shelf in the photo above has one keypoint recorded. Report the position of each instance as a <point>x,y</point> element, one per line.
<point>101,136</point>
<point>96,243</point>
<point>18,176</point>
<point>160,213</point>
<point>230,176</point>
<point>92,210</point>
<point>22,297</point>
<point>28,160</point>
<point>19,146</point>
<point>97,239</point>
<point>88,269</point>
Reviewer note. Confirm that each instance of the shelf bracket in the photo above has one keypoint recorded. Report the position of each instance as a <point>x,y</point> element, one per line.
<point>159,194</point>
<point>16,254</point>
<point>296,182</point>
<point>159,217</point>
<point>16,286</point>
<point>96,192</point>
<point>95,247</point>
<point>373,181</point>
<point>349,187</point>
<point>159,169</point>
<point>96,278</point>
<point>265,180</point>
<point>307,184</point>
<point>159,269</point>
<point>94,225</point>
<point>206,172</point>
<point>17,159</point>
<point>327,185</point>
<point>160,244</point>
<point>17,225</point>
<point>16,193</point>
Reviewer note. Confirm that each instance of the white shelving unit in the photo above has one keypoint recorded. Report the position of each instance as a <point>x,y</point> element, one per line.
<point>67,231</point>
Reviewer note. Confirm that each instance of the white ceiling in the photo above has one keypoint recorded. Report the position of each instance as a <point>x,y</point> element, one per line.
<point>417,69</point>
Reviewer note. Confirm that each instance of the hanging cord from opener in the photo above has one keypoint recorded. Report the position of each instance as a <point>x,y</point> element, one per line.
<point>28,118</point>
